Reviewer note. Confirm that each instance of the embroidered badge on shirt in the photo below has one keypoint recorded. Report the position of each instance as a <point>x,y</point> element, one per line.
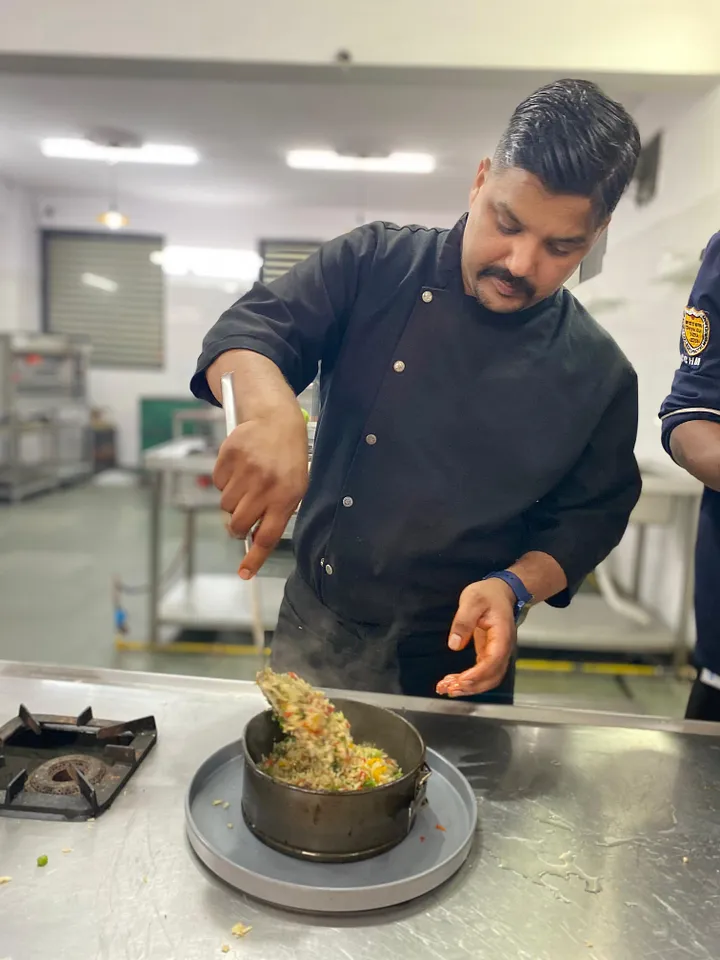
<point>695,331</point>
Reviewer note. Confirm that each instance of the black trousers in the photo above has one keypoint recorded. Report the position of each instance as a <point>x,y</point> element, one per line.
<point>703,703</point>
<point>326,651</point>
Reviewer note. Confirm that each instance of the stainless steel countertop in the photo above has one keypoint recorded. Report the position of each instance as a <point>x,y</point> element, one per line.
<point>599,838</point>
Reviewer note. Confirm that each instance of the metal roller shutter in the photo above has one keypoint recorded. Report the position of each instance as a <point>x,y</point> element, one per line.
<point>106,289</point>
<point>279,256</point>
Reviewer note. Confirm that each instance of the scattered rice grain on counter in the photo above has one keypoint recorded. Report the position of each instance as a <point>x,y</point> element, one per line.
<point>240,930</point>
<point>230,826</point>
<point>225,948</point>
<point>226,805</point>
<point>66,850</point>
<point>4,880</point>
<point>318,752</point>
<point>216,803</point>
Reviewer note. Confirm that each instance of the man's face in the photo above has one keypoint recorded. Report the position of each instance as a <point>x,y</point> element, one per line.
<point>521,243</point>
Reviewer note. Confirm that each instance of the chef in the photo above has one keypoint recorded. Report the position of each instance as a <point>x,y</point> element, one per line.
<point>691,435</point>
<point>474,453</point>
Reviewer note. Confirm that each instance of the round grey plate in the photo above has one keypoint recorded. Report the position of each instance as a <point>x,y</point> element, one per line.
<point>424,860</point>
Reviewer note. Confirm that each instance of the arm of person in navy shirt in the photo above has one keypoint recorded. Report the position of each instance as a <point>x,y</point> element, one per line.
<point>691,413</point>
<point>272,341</point>
<point>570,532</point>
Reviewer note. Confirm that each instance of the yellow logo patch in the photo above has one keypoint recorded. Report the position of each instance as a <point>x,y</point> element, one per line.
<point>695,331</point>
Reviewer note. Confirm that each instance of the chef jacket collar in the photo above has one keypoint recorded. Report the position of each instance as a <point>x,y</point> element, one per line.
<point>449,276</point>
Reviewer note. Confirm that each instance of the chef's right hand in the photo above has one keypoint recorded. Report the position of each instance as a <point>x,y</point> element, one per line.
<point>262,473</point>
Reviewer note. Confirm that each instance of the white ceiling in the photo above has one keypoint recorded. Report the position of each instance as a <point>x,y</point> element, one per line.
<point>243,126</point>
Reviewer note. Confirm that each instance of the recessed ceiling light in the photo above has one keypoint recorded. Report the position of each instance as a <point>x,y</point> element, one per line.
<point>79,149</point>
<point>330,160</point>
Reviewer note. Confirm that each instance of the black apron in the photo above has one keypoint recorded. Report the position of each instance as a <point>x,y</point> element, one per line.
<point>318,646</point>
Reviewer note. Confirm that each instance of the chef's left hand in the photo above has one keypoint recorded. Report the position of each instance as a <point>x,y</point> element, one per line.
<point>486,614</point>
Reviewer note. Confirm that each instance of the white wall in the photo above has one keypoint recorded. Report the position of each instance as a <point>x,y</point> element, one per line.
<point>677,225</point>
<point>191,308</point>
<point>19,259</point>
<point>645,318</point>
<point>663,36</point>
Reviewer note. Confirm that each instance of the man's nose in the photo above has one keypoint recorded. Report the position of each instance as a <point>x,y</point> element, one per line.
<point>522,257</point>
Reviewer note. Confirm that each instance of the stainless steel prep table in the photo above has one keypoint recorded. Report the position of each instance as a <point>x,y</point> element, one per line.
<point>599,837</point>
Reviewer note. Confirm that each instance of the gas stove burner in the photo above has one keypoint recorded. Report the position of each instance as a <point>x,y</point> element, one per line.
<point>59,776</point>
<point>69,768</point>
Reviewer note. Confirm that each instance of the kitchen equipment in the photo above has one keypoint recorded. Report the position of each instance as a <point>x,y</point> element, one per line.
<point>435,849</point>
<point>68,768</point>
<point>230,411</point>
<point>44,413</point>
<point>336,827</point>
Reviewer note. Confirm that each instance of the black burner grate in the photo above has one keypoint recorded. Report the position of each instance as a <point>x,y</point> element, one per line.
<point>69,768</point>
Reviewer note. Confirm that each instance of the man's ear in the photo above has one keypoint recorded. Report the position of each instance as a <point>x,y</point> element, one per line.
<point>481,176</point>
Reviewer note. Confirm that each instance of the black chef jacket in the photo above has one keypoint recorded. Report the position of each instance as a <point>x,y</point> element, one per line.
<point>695,395</point>
<point>452,439</point>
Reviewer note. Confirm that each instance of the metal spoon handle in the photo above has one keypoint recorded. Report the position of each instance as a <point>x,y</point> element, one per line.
<point>230,411</point>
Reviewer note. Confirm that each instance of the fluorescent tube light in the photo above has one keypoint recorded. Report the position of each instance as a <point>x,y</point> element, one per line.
<point>77,149</point>
<point>330,160</point>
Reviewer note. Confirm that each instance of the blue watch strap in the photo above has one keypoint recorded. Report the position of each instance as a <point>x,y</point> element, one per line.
<point>522,595</point>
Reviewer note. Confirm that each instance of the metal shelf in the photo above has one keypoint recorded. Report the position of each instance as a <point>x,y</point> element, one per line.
<point>589,623</point>
<point>44,414</point>
<point>220,602</point>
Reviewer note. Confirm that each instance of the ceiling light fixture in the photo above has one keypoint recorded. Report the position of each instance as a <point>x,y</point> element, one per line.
<point>113,219</point>
<point>331,160</point>
<point>81,149</point>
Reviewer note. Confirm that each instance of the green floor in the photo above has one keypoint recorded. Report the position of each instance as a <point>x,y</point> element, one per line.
<point>58,557</point>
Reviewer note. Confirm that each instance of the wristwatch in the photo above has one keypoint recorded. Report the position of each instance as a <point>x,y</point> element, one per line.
<point>523,598</point>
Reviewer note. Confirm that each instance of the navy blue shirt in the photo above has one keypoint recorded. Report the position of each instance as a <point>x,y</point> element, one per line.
<point>452,439</point>
<point>695,395</point>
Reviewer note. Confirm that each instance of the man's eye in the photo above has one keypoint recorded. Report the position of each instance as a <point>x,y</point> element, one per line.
<point>558,251</point>
<point>507,229</point>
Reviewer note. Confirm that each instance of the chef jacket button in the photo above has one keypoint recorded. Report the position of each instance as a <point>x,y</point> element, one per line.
<point>347,501</point>
<point>427,296</point>
<point>371,439</point>
<point>398,366</point>
<point>322,561</point>
<point>328,569</point>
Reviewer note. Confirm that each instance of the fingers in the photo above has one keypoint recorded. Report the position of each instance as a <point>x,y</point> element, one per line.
<point>223,470</point>
<point>470,609</point>
<point>245,515</point>
<point>265,539</point>
<point>494,644</point>
<point>476,680</point>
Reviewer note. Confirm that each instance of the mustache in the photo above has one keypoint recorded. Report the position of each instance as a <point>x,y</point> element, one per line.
<point>519,284</point>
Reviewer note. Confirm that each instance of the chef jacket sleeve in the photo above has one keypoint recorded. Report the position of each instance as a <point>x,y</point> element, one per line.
<point>297,320</point>
<point>585,516</point>
<point>695,393</point>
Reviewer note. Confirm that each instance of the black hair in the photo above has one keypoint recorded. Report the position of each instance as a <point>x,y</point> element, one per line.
<point>575,140</point>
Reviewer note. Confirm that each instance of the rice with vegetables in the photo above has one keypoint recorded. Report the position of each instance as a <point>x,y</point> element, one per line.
<point>318,751</point>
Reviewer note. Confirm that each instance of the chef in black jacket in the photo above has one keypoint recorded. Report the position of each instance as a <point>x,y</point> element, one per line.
<point>474,453</point>
<point>691,435</point>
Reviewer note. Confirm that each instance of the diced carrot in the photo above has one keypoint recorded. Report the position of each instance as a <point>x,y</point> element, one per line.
<point>440,827</point>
